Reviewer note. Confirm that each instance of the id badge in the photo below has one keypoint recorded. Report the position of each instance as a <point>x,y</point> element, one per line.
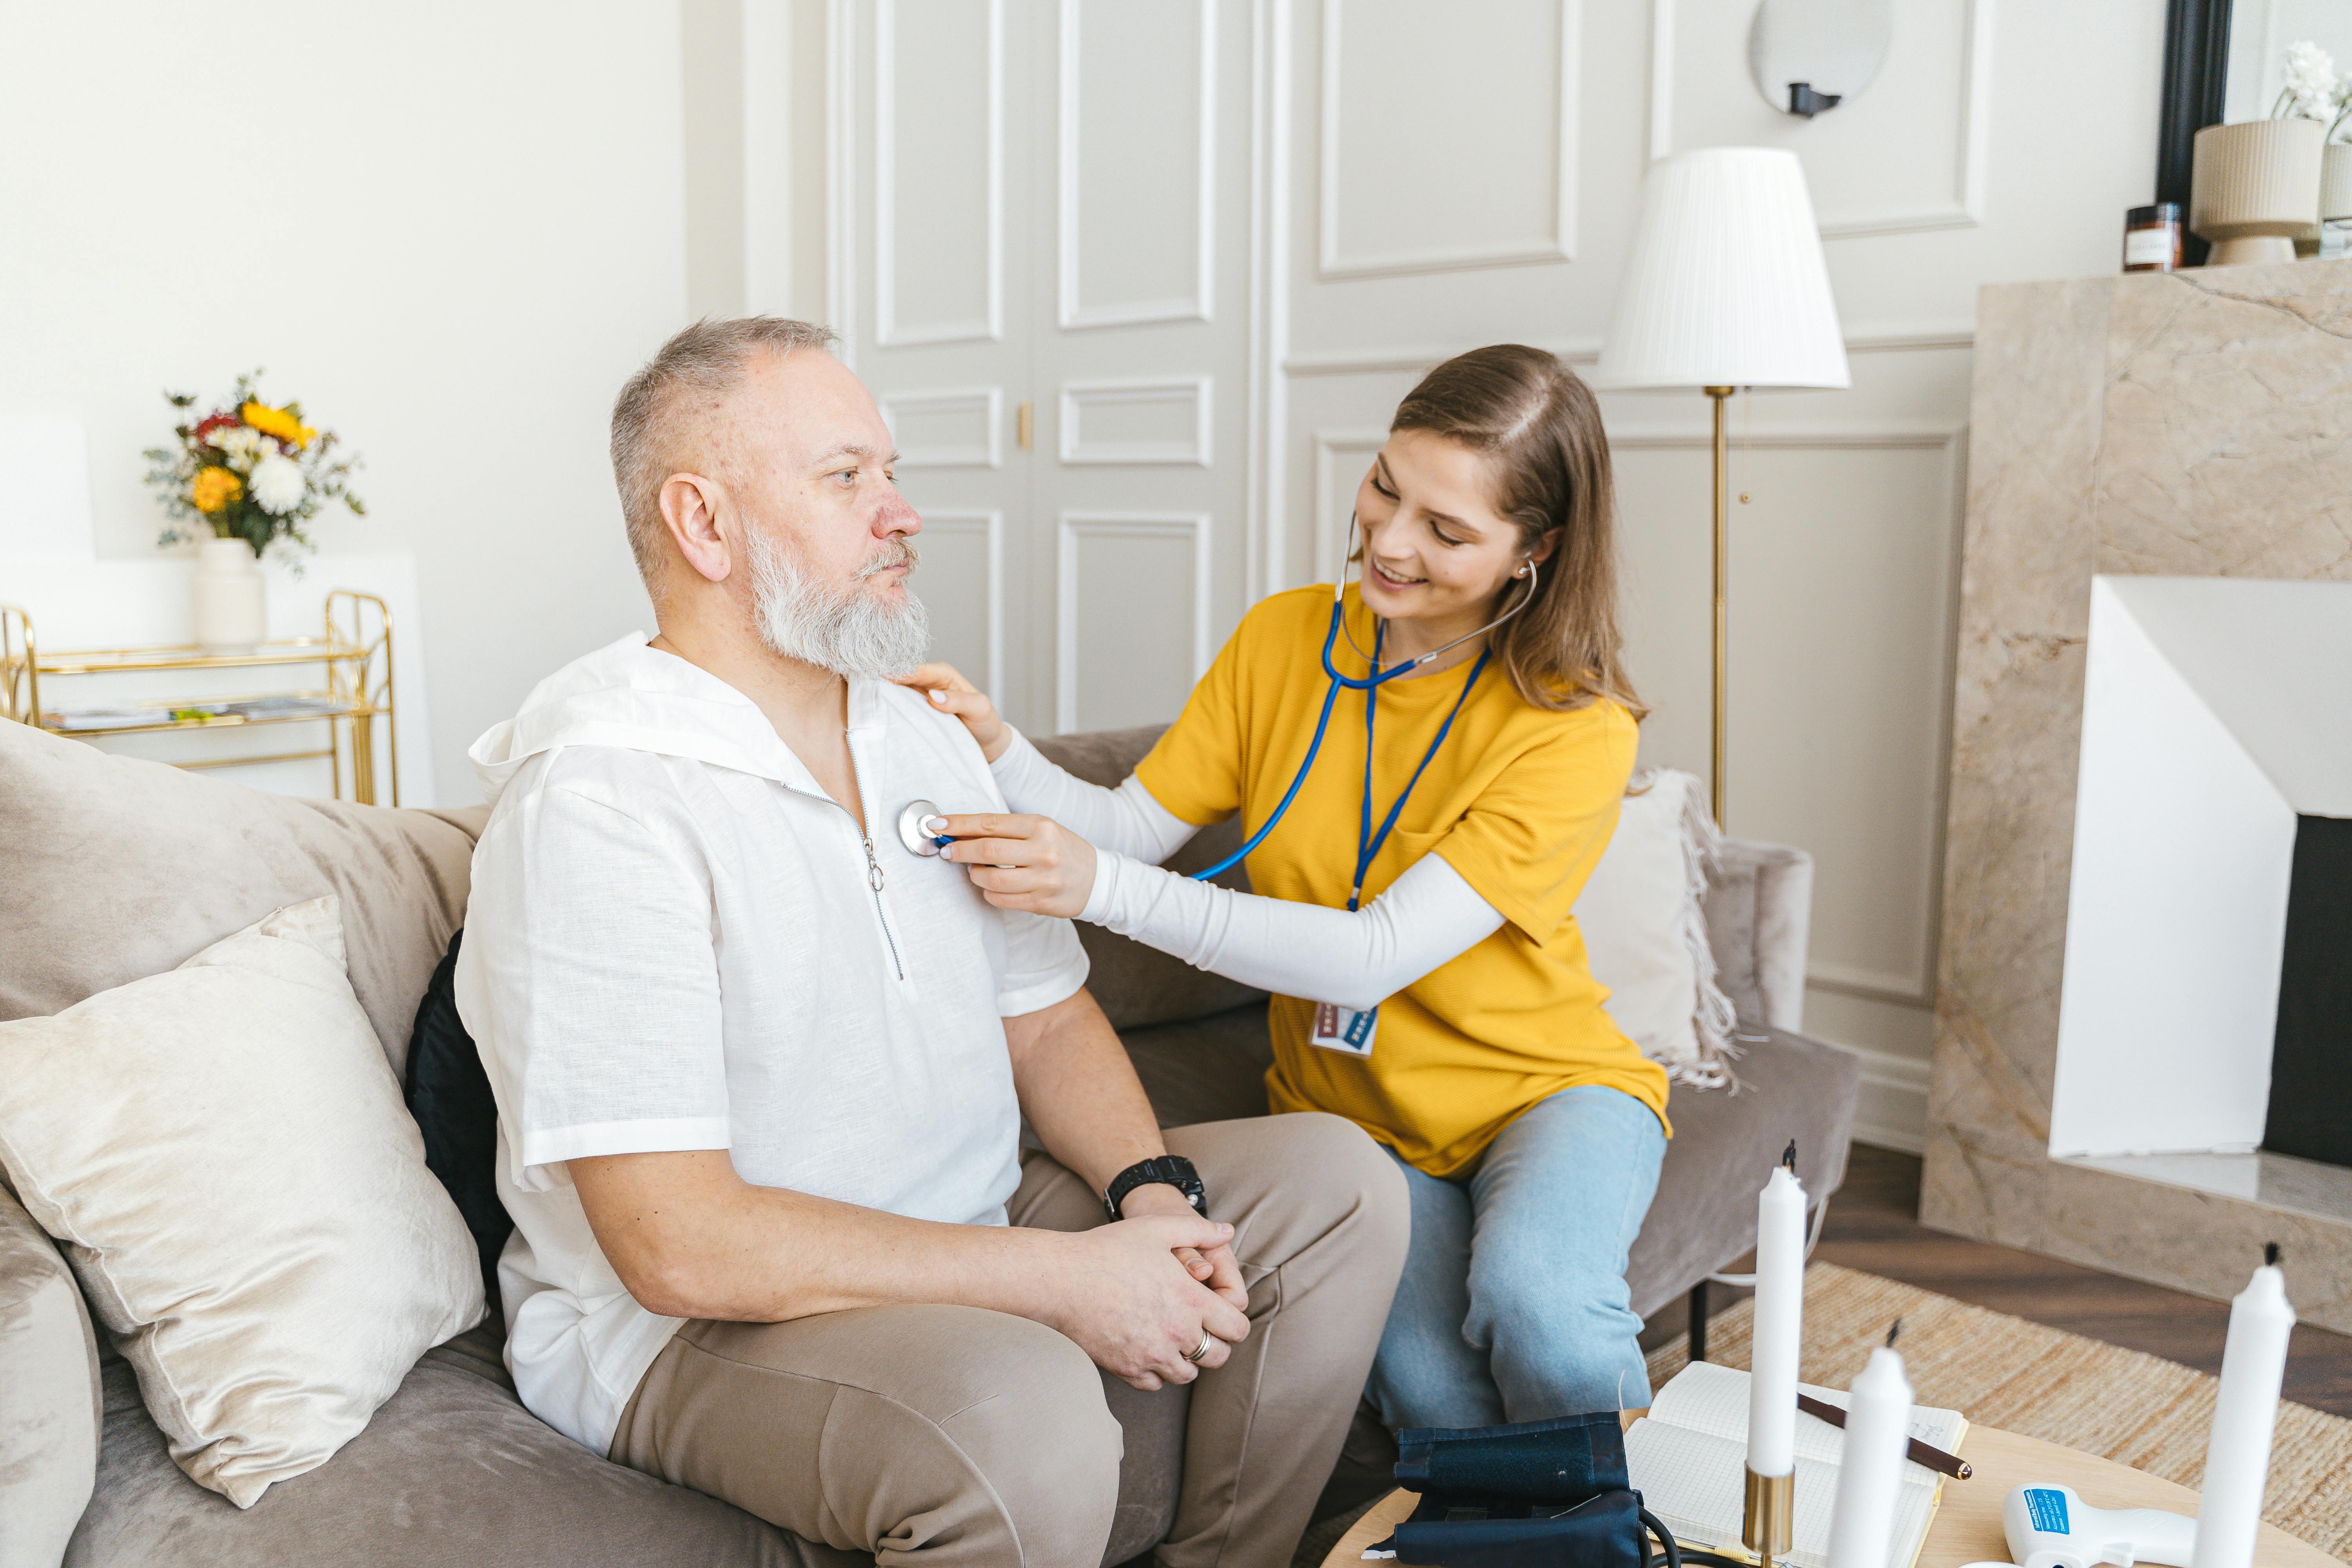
<point>1338,1028</point>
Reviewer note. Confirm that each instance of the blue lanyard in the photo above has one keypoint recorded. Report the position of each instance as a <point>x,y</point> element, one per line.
<point>1368,843</point>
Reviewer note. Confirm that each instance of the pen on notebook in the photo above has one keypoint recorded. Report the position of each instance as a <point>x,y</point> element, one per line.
<point>1920,1453</point>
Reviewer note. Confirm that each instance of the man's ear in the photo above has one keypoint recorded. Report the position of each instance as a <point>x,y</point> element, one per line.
<point>690,507</point>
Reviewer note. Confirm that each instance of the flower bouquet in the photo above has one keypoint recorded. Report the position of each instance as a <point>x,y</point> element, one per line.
<point>249,471</point>
<point>242,477</point>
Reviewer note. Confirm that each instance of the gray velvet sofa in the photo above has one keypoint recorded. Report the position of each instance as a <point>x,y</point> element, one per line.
<point>111,869</point>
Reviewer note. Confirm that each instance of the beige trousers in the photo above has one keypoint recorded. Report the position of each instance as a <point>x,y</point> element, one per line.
<point>942,1434</point>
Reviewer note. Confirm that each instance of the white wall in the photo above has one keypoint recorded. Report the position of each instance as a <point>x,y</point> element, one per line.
<point>451,230</point>
<point>2001,141</point>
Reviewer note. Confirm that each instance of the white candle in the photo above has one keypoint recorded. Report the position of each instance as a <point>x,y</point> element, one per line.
<point>1870,1463</point>
<point>2238,1454</point>
<point>1780,1322</point>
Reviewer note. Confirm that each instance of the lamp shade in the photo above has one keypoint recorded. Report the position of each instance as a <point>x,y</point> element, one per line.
<point>1727,285</point>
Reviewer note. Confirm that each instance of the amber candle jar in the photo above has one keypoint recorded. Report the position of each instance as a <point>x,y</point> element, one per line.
<point>2152,238</point>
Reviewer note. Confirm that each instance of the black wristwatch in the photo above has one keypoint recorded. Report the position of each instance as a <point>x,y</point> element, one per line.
<point>1174,1169</point>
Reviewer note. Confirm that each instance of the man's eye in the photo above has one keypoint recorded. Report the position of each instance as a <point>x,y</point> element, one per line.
<point>847,476</point>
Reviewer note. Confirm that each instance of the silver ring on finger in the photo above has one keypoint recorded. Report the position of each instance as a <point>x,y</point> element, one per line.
<point>1195,1354</point>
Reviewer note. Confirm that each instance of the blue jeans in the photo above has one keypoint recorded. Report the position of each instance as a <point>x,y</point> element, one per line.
<point>1513,1305</point>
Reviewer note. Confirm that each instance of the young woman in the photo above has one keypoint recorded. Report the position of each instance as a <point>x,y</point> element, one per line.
<point>1412,906</point>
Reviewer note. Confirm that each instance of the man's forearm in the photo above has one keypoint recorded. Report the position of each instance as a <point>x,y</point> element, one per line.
<point>1079,1091</point>
<point>690,1238</point>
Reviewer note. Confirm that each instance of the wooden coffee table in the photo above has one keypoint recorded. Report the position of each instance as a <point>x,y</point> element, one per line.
<point>1967,1525</point>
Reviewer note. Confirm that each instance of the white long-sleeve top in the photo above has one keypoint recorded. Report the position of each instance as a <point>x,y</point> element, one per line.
<point>1355,958</point>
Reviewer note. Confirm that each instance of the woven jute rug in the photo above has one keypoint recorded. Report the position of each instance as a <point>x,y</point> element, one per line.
<point>1998,1371</point>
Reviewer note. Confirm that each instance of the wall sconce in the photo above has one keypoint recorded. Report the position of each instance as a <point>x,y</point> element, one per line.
<point>1808,55</point>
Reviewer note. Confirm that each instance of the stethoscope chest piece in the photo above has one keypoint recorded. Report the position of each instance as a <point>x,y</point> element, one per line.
<point>911,831</point>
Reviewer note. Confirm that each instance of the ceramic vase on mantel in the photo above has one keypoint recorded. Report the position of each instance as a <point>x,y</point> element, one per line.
<point>2254,187</point>
<point>232,602</point>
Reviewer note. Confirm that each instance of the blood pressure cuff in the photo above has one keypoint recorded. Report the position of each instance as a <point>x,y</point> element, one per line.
<point>1539,1494</point>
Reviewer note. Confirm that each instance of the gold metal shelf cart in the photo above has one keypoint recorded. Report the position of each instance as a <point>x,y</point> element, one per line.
<point>354,653</point>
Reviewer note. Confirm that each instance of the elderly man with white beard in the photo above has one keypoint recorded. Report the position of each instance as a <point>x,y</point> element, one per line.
<point>761,1073</point>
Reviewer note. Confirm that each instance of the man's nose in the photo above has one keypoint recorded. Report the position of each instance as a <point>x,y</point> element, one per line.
<point>896,517</point>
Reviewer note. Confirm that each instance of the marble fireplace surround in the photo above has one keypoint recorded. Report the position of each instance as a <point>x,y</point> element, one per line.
<point>2191,424</point>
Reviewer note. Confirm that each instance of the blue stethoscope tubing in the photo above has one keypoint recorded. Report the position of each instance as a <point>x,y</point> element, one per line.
<point>1368,844</point>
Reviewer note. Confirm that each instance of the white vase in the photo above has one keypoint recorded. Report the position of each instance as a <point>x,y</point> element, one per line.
<point>232,602</point>
<point>2254,186</point>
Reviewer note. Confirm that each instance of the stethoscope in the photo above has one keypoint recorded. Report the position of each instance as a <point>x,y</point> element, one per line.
<point>916,815</point>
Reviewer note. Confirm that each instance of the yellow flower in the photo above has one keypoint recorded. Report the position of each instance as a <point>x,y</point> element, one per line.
<point>214,489</point>
<point>277,422</point>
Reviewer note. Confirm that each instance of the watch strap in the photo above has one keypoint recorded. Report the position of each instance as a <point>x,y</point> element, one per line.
<point>1173,1169</point>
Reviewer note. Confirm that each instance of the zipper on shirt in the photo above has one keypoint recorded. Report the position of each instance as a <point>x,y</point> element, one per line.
<point>873,867</point>
<point>874,880</point>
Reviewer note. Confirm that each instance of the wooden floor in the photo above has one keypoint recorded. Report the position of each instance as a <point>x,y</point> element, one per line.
<point>1873,1227</point>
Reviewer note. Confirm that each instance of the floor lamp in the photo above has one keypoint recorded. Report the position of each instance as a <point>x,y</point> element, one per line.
<point>1726,288</point>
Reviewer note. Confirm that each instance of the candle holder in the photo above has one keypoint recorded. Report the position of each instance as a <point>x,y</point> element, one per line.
<point>1772,1509</point>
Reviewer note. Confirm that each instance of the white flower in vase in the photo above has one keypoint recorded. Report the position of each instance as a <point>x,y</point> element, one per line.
<point>278,484</point>
<point>2308,89</point>
<point>242,444</point>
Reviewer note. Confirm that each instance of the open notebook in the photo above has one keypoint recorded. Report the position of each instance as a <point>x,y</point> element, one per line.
<point>1688,1458</point>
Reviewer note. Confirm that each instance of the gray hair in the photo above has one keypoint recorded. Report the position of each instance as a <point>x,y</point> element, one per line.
<point>706,357</point>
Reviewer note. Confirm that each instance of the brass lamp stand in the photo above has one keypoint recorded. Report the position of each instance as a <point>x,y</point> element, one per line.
<point>1720,396</point>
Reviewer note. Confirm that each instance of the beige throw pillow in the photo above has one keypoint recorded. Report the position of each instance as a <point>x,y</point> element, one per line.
<point>1645,930</point>
<point>223,1152</point>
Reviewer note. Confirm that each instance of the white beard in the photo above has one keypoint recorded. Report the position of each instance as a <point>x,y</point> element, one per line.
<point>852,633</point>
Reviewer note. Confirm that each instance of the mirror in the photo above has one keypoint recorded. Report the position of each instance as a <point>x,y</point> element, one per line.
<point>1832,47</point>
<point>2260,33</point>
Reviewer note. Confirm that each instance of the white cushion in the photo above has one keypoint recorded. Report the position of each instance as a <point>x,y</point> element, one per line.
<point>1645,931</point>
<point>223,1152</point>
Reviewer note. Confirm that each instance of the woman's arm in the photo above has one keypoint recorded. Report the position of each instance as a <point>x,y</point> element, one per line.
<point>1427,917</point>
<point>1357,958</point>
<point>1126,821</point>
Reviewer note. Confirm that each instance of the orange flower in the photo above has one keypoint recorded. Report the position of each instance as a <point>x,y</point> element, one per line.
<point>214,489</point>
<point>277,422</point>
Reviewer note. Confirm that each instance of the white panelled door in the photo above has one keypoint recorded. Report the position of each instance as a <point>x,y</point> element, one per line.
<point>1047,219</point>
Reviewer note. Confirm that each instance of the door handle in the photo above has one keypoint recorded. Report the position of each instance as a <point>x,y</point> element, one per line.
<point>1024,424</point>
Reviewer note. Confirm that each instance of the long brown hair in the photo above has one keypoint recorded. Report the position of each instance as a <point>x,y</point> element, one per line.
<point>1541,430</point>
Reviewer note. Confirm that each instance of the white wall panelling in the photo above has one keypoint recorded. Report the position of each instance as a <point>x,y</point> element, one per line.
<point>1412,118</point>
<point>946,429</point>
<point>1136,185</point>
<point>1412,359</point>
<point>1137,421</point>
<point>966,605</point>
<point>1341,459</point>
<point>1825,730</point>
<point>1924,124</point>
<point>939,160</point>
<point>1130,599</point>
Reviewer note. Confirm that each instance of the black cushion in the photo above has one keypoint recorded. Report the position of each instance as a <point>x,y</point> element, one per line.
<point>450,1095</point>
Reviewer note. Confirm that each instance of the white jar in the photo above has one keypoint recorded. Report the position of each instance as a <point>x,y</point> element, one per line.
<point>232,612</point>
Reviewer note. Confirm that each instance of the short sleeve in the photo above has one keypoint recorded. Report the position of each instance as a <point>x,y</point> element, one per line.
<point>1196,768</point>
<point>594,987</point>
<point>1043,964</point>
<point>1534,834</point>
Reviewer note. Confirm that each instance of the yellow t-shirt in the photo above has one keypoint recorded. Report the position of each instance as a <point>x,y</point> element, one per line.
<point>1518,800</point>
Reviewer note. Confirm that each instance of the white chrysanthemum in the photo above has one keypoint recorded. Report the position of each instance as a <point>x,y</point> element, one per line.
<point>242,444</point>
<point>278,484</point>
<point>2309,82</point>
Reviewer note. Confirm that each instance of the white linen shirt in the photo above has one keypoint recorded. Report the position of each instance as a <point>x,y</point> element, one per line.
<point>676,941</point>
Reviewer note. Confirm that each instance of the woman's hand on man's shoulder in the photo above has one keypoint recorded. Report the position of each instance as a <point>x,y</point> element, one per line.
<point>950,693</point>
